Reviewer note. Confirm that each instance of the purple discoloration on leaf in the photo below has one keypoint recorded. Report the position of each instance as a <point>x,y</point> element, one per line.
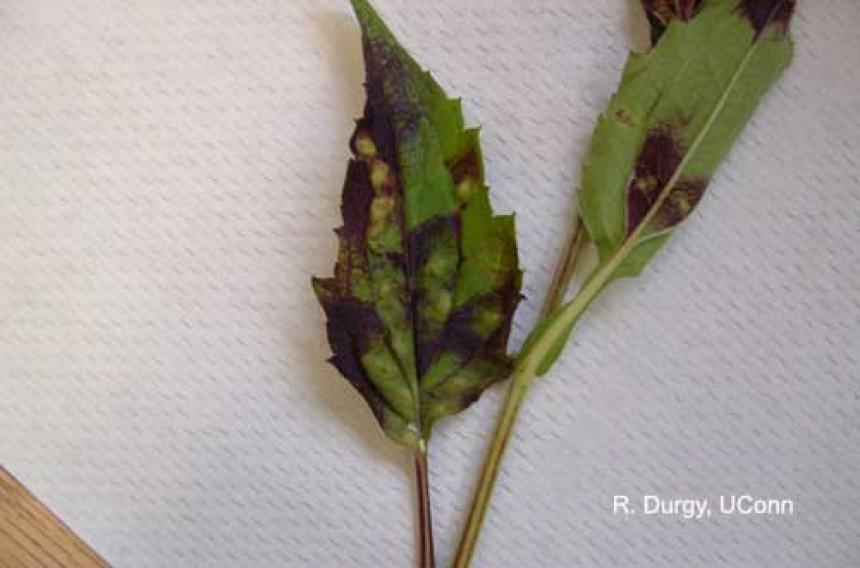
<point>467,165</point>
<point>377,123</point>
<point>423,242</point>
<point>763,13</point>
<point>389,305</point>
<point>461,340</point>
<point>351,326</point>
<point>460,337</point>
<point>384,85</point>
<point>658,161</point>
<point>680,203</point>
<point>355,204</point>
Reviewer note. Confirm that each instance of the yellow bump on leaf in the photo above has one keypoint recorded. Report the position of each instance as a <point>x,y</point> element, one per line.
<point>374,232</point>
<point>437,265</point>
<point>364,146</point>
<point>646,184</point>
<point>682,203</point>
<point>380,209</point>
<point>386,288</point>
<point>488,320</point>
<point>379,171</point>
<point>440,305</point>
<point>465,189</point>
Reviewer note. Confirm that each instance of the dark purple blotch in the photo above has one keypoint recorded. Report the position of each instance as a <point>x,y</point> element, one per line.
<point>439,232</point>
<point>763,13</point>
<point>680,203</point>
<point>459,336</point>
<point>351,328</point>
<point>422,241</point>
<point>467,165</point>
<point>385,75</point>
<point>355,202</point>
<point>460,339</point>
<point>353,325</point>
<point>659,159</point>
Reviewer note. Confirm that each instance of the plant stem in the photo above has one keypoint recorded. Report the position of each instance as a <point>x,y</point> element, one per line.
<point>426,555</point>
<point>490,472</point>
<point>564,272</point>
<point>521,379</point>
<point>524,374</point>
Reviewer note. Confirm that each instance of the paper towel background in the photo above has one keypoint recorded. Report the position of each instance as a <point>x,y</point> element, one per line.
<point>169,177</point>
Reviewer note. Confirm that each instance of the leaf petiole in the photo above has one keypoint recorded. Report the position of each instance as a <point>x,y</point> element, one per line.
<point>425,549</point>
<point>566,268</point>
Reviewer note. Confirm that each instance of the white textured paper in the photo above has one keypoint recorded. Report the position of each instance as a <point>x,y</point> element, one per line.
<point>169,177</point>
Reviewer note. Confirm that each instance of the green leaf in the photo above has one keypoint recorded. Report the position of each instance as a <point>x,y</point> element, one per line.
<point>427,278</point>
<point>676,115</point>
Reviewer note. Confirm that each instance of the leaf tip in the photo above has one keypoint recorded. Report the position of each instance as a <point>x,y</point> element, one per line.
<point>762,14</point>
<point>370,20</point>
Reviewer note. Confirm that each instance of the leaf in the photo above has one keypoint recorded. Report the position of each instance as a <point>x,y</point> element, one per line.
<point>427,278</point>
<point>675,116</point>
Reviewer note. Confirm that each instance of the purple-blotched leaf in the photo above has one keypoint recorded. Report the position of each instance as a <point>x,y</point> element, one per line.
<point>427,278</point>
<point>676,115</point>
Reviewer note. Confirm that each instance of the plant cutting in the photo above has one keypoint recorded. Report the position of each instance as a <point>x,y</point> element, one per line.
<point>675,116</point>
<point>427,278</point>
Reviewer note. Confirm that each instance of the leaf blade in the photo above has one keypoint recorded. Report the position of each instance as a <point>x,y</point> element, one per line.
<point>673,120</point>
<point>676,115</point>
<point>427,277</point>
